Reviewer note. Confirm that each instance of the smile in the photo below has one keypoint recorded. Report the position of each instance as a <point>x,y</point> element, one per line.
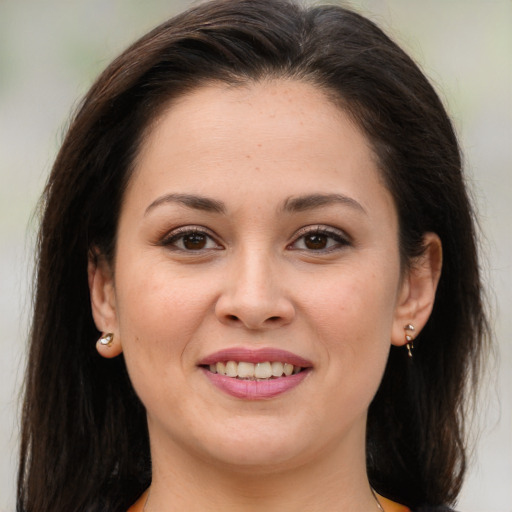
<point>254,371</point>
<point>255,374</point>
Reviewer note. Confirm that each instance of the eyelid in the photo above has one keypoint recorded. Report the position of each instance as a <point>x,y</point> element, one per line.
<point>173,235</point>
<point>321,228</point>
<point>335,233</point>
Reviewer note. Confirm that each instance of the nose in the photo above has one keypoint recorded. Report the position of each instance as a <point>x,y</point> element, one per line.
<point>253,295</point>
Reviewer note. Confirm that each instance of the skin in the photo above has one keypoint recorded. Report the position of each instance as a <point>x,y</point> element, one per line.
<point>258,283</point>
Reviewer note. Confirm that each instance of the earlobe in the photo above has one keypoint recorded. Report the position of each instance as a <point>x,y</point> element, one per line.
<point>103,305</point>
<point>418,292</point>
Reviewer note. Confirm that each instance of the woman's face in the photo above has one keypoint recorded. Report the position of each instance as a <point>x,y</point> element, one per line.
<point>256,229</point>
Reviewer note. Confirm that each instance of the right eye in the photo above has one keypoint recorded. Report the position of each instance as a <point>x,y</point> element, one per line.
<point>190,240</point>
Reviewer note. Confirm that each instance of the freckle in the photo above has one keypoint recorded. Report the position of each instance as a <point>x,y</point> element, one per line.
<point>259,145</point>
<point>247,156</point>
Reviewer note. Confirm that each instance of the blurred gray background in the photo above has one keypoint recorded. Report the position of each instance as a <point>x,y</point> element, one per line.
<point>51,50</point>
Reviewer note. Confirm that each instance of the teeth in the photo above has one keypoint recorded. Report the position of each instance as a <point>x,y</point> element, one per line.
<point>218,368</point>
<point>251,371</point>
<point>277,369</point>
<point>263,371</point>
<point>231,369</point>
<point>245,370</point>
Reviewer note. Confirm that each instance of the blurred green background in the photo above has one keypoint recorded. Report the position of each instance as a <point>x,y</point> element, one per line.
<point>50,51</point>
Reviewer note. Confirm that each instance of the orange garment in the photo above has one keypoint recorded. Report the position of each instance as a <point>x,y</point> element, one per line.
<point>387,505</point>
<point>138,506</point>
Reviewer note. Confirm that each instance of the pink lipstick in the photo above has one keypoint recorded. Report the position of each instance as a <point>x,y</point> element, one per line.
<point>255,374</point>
<point>255,356</point>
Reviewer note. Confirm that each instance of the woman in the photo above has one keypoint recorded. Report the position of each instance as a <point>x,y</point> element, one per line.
<point>257,282</point>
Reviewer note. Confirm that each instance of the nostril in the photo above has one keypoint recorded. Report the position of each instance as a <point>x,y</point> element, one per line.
<point>273,318</point>
<point>232,317</point>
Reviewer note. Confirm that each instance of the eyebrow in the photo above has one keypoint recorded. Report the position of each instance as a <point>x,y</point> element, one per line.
<point>291,205</point>
<point>312,201</point>
<point>194,202</point>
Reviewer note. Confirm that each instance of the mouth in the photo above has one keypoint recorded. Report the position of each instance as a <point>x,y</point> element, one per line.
<point>255,374</point>
<point>244,370</point>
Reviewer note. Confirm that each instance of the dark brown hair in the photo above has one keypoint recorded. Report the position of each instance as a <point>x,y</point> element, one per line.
<point>84,435</point>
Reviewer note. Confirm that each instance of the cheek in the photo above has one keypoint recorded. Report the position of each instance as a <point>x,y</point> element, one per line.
<point>158,312</point>
<point>358,299</point>
<point>352,321</point>
<point>158,317</point>
<point>351,314</point>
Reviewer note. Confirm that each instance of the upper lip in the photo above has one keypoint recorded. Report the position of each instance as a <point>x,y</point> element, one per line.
<point>251,355</point>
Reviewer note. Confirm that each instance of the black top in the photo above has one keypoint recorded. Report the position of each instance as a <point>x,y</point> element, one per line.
<point>427,508</point>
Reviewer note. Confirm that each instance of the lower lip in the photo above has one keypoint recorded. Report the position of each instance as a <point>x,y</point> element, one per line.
<point>256,389</point>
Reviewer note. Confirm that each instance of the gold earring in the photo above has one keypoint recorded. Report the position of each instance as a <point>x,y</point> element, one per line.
<point>106,339</point>
<point>409,328</point>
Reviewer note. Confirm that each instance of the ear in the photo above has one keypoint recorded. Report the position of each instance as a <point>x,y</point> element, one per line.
<point>418,290</point>
<point>103,302</point>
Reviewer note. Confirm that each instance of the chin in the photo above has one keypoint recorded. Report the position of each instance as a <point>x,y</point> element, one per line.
<point>251,460</point>
<point>250,447</point>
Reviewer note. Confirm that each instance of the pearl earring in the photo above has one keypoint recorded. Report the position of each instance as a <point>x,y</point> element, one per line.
<point>106,339</point>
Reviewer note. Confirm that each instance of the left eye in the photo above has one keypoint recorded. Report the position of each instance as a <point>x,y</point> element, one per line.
<point>319,240</point>
<point>191,241</point>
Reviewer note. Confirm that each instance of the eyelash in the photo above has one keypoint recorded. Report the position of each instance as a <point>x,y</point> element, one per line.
<point>179,234</point>
<point>340,239</point>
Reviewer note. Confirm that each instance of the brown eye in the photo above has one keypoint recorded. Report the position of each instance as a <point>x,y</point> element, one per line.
<point>194,241</point>
<point>316,241</point>
<point>190,240</point>
<point>320,240</point>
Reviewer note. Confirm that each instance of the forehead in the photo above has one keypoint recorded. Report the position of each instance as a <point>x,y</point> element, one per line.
<point>283,134</point>
<point>277,108</point>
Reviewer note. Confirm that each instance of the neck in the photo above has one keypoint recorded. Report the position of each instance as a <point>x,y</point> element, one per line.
<point>332,481</point>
